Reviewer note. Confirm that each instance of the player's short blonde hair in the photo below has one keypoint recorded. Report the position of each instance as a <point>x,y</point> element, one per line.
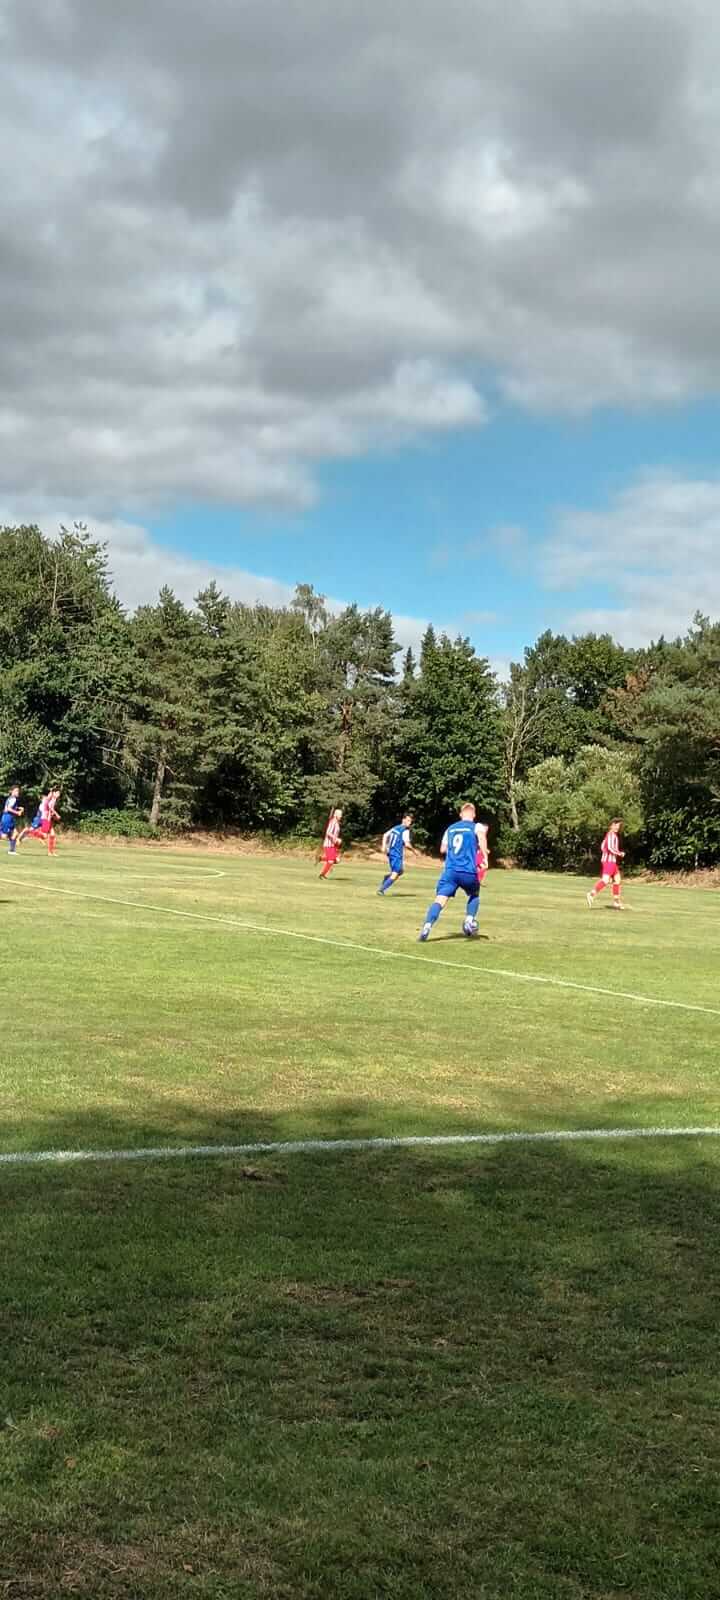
<point>467,806</point>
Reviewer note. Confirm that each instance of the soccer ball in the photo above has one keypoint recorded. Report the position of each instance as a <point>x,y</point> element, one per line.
<point>470,927</point>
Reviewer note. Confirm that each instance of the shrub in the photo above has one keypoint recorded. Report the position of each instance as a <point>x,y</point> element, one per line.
<point>129,824</point>
<point>566,807</point>
<point>685,838</point>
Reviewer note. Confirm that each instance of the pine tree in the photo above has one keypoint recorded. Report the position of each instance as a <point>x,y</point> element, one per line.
<point>452,741</point>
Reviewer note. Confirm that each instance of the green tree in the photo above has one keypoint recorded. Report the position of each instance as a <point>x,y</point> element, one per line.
<point>452,746</point>
<point>357,682</point>
<point>671,708</point>
<point>164,730</point>
<point>524,710</point>
<point>567,805</point>
<point>566,685</point>
<point>558,699</point>
<point>254,670</point>
<point>66,643</point>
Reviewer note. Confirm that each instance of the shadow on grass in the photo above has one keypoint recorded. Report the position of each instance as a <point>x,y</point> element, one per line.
<point>407,1373</point>
<point>403,894</point>
<point>164,1122</point>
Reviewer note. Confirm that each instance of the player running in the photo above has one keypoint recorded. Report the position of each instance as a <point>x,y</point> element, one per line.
<point>43,823</point>
<point>331,842</point>
<point>395,842</point>
<point>12,812</point>
<point>610,857</point>
<point>460,846</point>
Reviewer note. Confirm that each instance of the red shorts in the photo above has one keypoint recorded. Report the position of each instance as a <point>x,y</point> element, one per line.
<point>330,853</point>
<point>609,869</point>
<point>41,832</point>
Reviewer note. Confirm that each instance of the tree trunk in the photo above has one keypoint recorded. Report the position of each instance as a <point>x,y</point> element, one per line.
<point>345,734</point>
<point>157,791</point>
<point>53,606</point>
<point>514,818</point>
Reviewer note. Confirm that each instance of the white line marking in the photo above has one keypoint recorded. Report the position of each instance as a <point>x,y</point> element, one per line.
<point>294,1147</point>
<point>376,950</point>
<point>154,877</point>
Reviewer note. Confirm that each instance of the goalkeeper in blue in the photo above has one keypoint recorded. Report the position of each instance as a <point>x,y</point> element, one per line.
<point>461,845</point>
<point>395,842</point>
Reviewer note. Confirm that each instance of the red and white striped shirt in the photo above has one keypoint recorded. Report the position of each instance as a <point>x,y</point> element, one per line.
<point>610,848</point>
<point>332,833</point>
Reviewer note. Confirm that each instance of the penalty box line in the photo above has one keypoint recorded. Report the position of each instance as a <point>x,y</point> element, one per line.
<point>294,1147</point>
<point>373,950</point>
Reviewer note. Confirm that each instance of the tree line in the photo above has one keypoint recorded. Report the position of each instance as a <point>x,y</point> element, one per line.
<point>227,716</point>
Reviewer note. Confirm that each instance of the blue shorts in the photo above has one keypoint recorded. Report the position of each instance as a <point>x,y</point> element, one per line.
<point>7,825</point>
<point>451,881</point>
<point>396,863</point>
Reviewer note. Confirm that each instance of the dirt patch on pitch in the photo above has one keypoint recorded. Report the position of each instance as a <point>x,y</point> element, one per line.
<point>704,878</point>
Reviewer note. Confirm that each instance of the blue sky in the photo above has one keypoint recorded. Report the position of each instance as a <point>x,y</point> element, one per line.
<point>415,301</point>
<point>456,530</point>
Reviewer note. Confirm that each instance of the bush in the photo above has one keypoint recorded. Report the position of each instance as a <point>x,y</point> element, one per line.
<point>128,824</point>
<point>503,844</point>
<point>684,838</point>
<point>566,807</point>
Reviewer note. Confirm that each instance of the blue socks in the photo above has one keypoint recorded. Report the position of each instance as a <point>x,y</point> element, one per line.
<point>473,906</point>
<point>386,884</point>
<point>433,913</point>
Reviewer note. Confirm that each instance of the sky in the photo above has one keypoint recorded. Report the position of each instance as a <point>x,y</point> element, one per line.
<point>413,300</point>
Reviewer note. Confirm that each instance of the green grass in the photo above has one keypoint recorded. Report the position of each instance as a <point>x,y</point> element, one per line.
<point>411,1373</point>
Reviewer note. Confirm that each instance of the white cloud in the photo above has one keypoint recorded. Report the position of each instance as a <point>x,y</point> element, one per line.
<point>139,567</point>
<point>480,618</point>
<point>656,549</point>
<point>486,189</point>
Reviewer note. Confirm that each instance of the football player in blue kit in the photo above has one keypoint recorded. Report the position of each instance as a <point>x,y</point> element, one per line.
<point>460,848</point>
<point>12,812</point>
<point>395,842</point>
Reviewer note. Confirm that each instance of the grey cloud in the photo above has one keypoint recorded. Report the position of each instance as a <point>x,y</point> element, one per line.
<point>238,240</point>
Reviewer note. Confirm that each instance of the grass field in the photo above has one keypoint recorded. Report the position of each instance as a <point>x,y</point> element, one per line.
<point>411,1372</point>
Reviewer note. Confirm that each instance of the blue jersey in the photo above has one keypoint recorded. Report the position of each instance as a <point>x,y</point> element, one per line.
<point>395,841</point>
<point>10,814</point>
<point>460,847</point>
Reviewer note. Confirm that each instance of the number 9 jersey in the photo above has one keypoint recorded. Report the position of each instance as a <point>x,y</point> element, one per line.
<point>460,848</point>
